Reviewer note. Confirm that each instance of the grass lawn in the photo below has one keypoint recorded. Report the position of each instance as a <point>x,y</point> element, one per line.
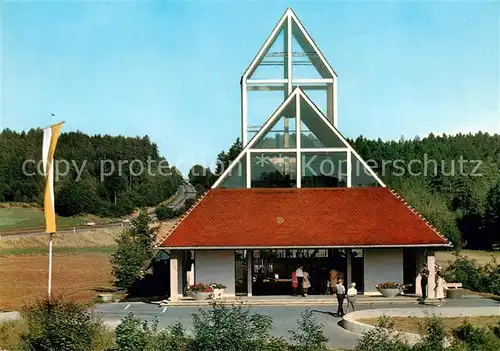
<point>482,257</point>
<point>414,325</point>
<point>14,218</point>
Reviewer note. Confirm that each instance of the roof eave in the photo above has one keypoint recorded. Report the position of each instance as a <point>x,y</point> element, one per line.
<point>299,247</point>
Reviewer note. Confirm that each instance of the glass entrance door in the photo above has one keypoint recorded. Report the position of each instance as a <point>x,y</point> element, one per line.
<point>241,272</point>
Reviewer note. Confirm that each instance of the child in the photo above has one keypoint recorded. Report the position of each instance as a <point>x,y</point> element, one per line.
<point>340,292</point>
<point>351,297</point>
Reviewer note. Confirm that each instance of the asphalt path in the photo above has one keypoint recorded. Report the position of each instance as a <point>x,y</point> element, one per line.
<point>284,317</point>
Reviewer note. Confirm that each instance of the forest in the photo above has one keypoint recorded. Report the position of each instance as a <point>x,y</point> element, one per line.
<point>453,181</point>
<point>104,175</point>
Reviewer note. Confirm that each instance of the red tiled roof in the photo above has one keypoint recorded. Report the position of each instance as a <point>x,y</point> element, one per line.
<point>307,217</point>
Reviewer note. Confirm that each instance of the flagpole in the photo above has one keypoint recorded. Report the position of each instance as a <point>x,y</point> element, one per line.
<point>50,265</point>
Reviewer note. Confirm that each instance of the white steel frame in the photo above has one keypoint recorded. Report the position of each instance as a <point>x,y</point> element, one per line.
<point>292,28</point>
<point>298,97</point>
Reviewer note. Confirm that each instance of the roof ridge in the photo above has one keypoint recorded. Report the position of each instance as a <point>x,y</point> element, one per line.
<point>179,221</point>
<point>414,211</point>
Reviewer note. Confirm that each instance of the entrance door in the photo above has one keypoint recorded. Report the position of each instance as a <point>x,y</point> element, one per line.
<point>357,269</point>
<point>410,268</point>
<point>241,272</point>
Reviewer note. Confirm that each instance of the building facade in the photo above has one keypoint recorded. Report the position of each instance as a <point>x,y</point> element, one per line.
<point>298,193</point>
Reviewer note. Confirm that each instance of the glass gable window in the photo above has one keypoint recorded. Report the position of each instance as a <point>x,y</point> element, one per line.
<point>282,134</point>
<point>314,132</point>
<point>273,170</point>
<point>361,176</point>
<point>324,169</point>
<point>237,177</point>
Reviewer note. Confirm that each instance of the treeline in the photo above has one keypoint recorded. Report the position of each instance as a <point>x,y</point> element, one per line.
<point>101,174</point>
<point>454,181</point>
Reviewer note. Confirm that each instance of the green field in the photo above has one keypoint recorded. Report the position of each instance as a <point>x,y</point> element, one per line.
<point>13,218</point>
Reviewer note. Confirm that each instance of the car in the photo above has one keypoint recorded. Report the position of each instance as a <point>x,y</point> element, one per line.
<point>126,220</point>
<point>90,223</point>
<point>171,207</point>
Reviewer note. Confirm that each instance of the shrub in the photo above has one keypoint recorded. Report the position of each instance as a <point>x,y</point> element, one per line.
<point>382,338</point>
<point>188,203</point>
<point>434,335</point>
<point>474,277</point>
<point>164,212</point>
<point>60,325</point>
<point>227,328</point>
<point>310,336</point>
<point>471,338</point>
<point>133,334</point>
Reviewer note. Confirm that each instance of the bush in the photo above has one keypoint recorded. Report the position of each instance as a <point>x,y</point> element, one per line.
<point>230,328</point>
<point>474,277</point>
<point>188,203</point>
<point>133,334</point>
<point>470,338</point>
<point>382,338</point>
<point>465,338</point>
<point>310,336</point>
<point>164,212</point>
<point>434,335</point>
<point>60,325</point>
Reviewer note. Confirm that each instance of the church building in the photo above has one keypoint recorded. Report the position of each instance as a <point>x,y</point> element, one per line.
<point>298,194</point>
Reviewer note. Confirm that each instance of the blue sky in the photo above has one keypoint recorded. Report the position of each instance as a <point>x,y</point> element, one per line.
<point>172,69</point>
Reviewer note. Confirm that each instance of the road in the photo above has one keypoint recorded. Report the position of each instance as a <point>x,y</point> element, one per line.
<point>284,317</point>
<point>186,191</point>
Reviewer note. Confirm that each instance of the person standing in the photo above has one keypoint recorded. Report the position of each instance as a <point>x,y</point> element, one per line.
<point>340,292</point>
<point>300,280</point>
<point>307,283</point>
<point>295,283</point>
<point>424,275</point>
<point>440,286</point>
<point>352,292</point>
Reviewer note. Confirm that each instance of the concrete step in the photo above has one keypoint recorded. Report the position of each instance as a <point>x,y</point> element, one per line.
<point>286,301</point>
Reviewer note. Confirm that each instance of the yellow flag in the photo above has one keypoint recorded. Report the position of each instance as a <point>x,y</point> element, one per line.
<point>50,137</point>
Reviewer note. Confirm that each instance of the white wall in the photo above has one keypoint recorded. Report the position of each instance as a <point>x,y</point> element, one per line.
<point>216,266</point>
<point>382,265</point>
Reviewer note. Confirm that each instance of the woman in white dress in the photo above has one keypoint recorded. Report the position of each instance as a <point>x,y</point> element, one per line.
<point>306,284</point>
<point>440,286</point>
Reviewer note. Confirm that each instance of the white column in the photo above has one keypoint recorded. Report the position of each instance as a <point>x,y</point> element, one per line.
<point>249,272</point>
<point>244,112</point>
<point>174,280</point>
<point>431,266</point>
<point>298,132</point>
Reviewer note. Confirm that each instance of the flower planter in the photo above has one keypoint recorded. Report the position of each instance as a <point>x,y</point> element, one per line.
<point>389,292</point>
<point>218,293</point>
<point>201,295</point>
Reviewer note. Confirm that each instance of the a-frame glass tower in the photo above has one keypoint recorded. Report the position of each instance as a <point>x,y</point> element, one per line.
<point>299,144</point>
